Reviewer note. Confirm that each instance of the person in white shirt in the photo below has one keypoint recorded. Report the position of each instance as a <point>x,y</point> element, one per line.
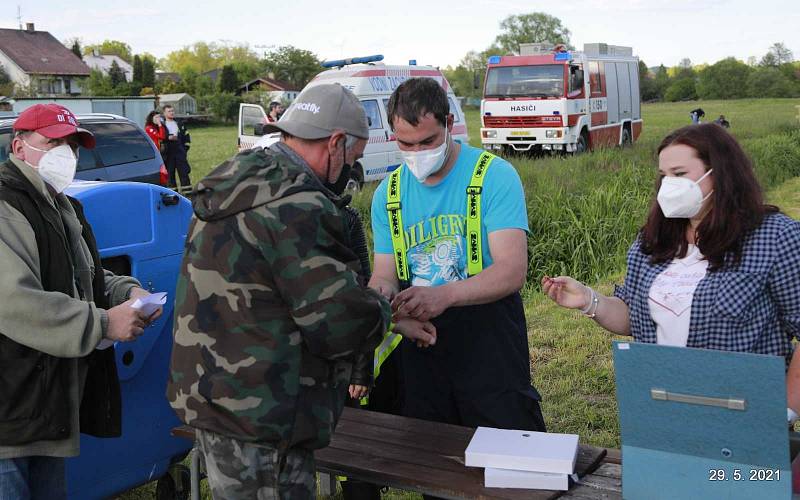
<point>175,151</point>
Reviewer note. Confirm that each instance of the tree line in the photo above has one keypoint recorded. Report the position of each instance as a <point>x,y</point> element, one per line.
<point>189,69</point>
<point>776,74</point>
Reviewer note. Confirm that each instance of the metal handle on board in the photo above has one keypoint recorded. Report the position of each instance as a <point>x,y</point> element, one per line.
<point>729,403</point>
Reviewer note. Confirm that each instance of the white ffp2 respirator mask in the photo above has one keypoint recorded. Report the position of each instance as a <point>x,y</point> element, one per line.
<point>427,162</point>
<point>681,198</point>
<point>57,166</point>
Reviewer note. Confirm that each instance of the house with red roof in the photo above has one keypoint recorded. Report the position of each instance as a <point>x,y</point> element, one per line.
<point>35,60</point>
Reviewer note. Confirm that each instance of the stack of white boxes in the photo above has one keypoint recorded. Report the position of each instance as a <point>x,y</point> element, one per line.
<point>523,459</point>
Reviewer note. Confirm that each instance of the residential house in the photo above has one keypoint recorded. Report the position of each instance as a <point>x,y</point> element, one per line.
<point>213,74</point>
<point>276,90</point>
<point>35,60</point>
<point>167,76</point>
<point>103,63</point>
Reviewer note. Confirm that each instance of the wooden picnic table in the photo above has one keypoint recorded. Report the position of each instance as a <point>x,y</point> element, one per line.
<point>428,457</point>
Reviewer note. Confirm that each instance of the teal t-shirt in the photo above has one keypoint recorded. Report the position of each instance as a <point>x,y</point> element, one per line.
<point>435,217</point>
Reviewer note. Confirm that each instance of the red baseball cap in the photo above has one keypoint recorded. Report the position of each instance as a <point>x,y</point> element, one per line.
<point>54,122</point>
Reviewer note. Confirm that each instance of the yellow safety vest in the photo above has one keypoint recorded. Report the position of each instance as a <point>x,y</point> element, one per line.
<point>390,341</point>
<point>474,242</point>
<point>473,236</point>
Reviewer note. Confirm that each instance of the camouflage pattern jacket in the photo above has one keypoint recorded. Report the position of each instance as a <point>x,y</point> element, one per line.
<point>269,313</point>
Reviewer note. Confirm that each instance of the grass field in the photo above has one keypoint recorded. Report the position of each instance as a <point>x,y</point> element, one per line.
<point>584,212</point>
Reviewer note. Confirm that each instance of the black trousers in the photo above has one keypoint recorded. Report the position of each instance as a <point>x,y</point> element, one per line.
<point>175,160</point>
<point>478,373</point>
<point>386,397</point>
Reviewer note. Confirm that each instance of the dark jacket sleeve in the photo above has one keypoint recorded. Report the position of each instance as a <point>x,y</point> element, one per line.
<point>363,365</point>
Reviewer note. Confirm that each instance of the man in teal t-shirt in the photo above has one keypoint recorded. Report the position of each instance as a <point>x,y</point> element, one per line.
<point>478,371</point>
<point>434,217</point>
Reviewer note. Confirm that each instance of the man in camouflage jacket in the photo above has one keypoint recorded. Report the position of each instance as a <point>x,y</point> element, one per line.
<point>269,313</point>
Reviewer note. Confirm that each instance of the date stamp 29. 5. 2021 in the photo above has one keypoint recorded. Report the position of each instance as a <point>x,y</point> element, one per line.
<point>744,474</point>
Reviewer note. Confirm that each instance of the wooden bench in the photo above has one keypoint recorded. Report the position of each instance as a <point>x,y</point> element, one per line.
<point>428,457</point>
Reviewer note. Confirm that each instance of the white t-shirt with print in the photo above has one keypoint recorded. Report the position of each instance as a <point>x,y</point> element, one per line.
<point>671,296</point>
<point>172,127</point>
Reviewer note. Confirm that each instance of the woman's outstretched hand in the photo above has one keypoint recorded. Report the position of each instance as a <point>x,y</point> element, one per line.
<point>567,292</point>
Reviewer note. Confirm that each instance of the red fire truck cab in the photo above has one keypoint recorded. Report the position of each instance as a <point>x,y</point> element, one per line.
<point>551,99</point>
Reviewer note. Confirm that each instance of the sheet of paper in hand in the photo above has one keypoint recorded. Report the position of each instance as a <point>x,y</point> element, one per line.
<point>148,305</point>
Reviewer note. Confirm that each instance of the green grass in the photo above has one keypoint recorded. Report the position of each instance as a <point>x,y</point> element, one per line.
<point>584,212</point>
<point>787,197</point>
<point>211,146</point>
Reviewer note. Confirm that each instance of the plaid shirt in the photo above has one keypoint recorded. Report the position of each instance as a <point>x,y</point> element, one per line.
<point>753,306</point>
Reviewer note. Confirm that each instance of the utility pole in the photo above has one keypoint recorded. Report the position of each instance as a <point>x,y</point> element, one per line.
<point>19,16</point>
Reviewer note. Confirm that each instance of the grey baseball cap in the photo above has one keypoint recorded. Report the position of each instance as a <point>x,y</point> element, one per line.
<point>320,110</point>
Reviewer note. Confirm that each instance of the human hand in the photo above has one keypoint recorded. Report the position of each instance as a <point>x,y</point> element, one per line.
<point>138,293</point>
<point>422,332</point>
<point>125,323</point>
<point>567,292</point>
<point>358,391</point>
<point>385,290</point>
<point>421,302</point>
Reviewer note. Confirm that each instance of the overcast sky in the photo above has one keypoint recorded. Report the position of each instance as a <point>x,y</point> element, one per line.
<point>433,32</point>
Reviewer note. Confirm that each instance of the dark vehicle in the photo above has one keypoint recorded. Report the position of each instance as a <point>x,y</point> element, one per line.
<point>123,151</point>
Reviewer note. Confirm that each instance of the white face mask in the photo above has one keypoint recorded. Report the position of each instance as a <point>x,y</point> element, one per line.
<point>681,198</point>
<point>427,162</point>
<point>57,166</point>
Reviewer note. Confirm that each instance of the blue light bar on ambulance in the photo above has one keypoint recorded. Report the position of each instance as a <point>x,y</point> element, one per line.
<point>563,56</point>
<point>494,59</point>
<point>354,60</point>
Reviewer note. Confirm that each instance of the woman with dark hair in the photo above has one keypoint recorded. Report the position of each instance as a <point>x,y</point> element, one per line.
<point>155,129</point>
<point>713,267</point>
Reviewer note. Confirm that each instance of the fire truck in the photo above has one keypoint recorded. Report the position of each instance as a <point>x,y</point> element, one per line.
<point>552,99</point>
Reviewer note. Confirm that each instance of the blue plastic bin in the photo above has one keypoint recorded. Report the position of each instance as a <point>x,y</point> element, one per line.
<point>141,230</point>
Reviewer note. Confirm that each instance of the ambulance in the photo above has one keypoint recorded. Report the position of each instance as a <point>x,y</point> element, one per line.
<point>552,99</point>
<point>372,82</point>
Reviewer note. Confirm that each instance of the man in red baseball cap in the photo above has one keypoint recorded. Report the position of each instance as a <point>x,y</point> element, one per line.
<point>46,138</point>
<point>56,305</point>
<point>54,122</point>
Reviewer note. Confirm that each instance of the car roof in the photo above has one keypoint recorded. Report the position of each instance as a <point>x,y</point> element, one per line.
<point>8,122</point>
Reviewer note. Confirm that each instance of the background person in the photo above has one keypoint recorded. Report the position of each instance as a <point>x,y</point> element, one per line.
<point>374,387</point>
<point>275,112</point>
<point>696,114</point>
<point>175,150</point>
<point>722,122</point>
<point>714,267</point>
<point>156,130</point>
<point>56,304</point>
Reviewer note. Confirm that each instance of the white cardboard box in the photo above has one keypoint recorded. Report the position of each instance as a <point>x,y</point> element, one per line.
<point>505,478</point>
<point>522,450</point>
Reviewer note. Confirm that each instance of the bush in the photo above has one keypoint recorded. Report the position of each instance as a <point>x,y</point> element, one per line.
<point>224,107</point>
<point>683,89</point>
<point>770,82</point>
<point>726,79</point>
<point>776,157</point>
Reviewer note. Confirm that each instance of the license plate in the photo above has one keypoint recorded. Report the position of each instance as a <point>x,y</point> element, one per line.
<point>520,132</point>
